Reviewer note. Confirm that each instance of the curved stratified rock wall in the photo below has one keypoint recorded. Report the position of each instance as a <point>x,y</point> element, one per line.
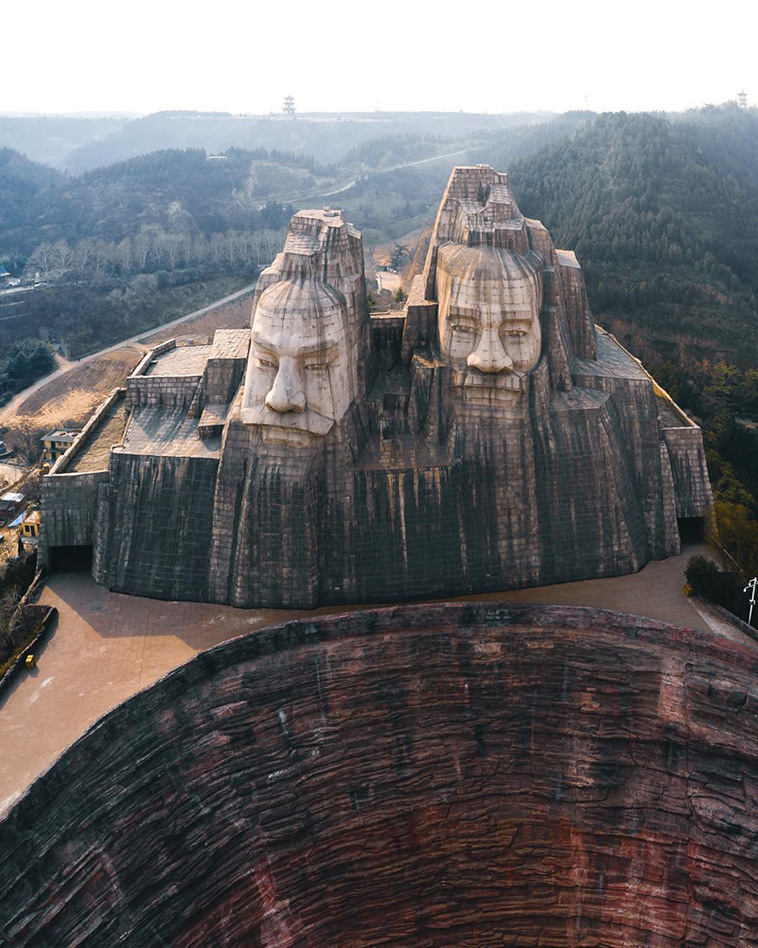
<point>457,774</point>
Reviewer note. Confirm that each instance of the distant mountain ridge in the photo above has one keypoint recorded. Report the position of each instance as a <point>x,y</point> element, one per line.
<point>80,144</point>
<point>51,138</point>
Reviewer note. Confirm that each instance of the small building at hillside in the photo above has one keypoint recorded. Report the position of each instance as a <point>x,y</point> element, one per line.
<point>30,529</point>
<point>10,503</point>
<point>56,443</point>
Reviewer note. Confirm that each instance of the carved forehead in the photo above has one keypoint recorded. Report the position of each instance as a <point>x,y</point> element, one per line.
<point>486,264</point>
<point>299,299</point>
<point>299,313</point>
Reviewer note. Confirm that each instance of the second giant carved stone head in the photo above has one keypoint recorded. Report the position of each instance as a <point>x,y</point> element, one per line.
<point>489,319</point>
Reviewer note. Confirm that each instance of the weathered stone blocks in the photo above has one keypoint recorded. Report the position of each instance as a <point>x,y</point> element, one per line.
<point>488,438</point>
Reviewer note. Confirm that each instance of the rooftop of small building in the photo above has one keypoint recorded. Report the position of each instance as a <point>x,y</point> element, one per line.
<point>12,497</point>
<point>62,434</point>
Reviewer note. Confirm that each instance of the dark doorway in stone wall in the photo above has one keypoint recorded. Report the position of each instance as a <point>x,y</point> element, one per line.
<point>690,529</point>
<point>71,559</point>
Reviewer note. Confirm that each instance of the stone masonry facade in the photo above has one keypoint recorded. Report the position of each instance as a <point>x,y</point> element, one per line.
<point>491,437</point>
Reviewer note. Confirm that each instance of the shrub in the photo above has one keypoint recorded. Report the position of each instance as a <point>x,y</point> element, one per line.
<point>710,582</point>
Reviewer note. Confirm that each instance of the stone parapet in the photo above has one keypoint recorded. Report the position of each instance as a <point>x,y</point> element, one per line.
<point>165,391</point>
<point>87,433</point>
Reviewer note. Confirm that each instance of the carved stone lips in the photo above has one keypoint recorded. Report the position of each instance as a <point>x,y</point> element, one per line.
<point>307,422</point>
<point>488,388</point>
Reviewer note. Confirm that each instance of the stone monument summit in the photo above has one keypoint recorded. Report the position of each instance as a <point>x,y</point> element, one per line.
<point>489,437</point>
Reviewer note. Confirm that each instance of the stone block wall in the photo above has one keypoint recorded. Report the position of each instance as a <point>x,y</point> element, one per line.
<point>166,391</point>
<point>68,502</point>
<point>156,518</point>
<point>577,311</point>
<point>222,379</point>
<point>420,321</point>
<point>694,497</point>
<point>69,511</point>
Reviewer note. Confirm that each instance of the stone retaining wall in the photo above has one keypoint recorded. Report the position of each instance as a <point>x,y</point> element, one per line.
<point>693,488</point>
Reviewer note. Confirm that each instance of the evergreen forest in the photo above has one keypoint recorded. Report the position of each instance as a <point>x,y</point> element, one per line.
<point>663,215</point>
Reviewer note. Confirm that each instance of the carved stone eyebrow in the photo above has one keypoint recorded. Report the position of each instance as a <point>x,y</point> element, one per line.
<point>464,312</point>
<point>262,343</point>
<point>317,348</point>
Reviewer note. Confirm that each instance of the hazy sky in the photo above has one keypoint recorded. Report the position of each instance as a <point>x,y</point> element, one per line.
<point>335,55</point>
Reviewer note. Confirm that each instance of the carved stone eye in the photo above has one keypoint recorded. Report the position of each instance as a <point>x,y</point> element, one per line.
<point>463,329</point>
<point>265,363</point>
<point>316,366</point>
<point>514,333</point>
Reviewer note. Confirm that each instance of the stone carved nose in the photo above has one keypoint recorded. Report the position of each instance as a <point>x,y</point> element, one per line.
<point>287,391</point>
<point>490,354</point>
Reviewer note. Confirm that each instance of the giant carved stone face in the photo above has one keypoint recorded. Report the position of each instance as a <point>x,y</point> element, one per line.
<point>489,327</point>
<point>300,377</point>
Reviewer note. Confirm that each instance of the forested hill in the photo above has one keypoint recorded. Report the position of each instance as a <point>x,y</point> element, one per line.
<point>21,182</point>
<point>174,191</point>
<point>664,216</point>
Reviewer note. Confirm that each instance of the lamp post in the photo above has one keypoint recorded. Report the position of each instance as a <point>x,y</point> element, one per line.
<point>752,585</point>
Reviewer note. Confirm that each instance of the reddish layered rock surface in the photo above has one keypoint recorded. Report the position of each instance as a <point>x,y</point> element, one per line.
<point>458,774</point>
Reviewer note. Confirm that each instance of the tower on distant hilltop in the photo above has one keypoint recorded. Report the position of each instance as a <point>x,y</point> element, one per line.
<point>289,106</point>
<point>742,100</point>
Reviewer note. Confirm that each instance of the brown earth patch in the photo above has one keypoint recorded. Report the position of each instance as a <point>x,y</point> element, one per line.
<point>70,398</point>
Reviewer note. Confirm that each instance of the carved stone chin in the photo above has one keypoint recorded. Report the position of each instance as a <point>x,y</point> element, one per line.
<point>288,427</point>
<point>503,391</point>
